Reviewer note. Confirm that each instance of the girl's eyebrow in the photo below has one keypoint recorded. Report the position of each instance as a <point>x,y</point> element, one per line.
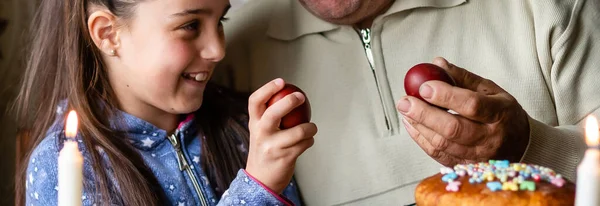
<point>193,12</point>
<point>199,11</point>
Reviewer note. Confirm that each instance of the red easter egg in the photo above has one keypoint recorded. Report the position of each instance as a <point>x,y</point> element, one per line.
<point>420,73</point>
<point>298,115</point>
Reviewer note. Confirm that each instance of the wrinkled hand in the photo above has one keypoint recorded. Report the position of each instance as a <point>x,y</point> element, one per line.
<point>490,123</point>
<point>273,152</point>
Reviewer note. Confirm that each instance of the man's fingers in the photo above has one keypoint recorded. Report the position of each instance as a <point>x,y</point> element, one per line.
<point>420,140</point>
<point>438,142</point>
<point>472,105</point>
<point>452,127</point>
<point>439,155</point>
<point>466,79</point>
<point>258,100</point>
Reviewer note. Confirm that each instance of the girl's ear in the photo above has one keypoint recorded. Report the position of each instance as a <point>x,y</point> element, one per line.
<point>104,31</point>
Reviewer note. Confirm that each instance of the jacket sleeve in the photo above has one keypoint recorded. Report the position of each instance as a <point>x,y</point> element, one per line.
<point>245,190</point>
<point>574,82</point>
<point>42,174</point>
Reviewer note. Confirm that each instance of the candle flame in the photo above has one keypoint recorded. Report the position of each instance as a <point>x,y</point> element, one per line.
<point>591,131</point>
<point>71,127</point>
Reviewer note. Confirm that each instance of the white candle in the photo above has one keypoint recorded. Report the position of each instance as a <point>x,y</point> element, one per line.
<point>588,172</point>
<point>70,167</point>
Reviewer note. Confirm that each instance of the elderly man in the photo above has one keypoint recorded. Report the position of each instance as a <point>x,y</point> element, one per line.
<point>529,80</point>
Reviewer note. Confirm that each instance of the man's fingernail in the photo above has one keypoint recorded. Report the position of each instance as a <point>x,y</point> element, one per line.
<point>403,105</point>
<point>426,91</point>
<point>278,81</point>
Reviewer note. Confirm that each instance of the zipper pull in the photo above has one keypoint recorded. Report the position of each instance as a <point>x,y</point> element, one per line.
<point>180,157</point>
<point>366,39</point>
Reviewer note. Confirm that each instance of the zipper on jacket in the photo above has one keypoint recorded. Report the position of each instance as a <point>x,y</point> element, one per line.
<point>366,40</point>
<point>184,165</point>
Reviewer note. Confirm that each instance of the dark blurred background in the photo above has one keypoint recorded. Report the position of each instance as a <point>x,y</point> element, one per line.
<point>15,16</point>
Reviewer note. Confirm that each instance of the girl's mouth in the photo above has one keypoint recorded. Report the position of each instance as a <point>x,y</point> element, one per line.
<point>199,77</point>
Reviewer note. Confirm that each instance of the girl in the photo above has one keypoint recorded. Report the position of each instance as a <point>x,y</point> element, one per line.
<point>152,130</point>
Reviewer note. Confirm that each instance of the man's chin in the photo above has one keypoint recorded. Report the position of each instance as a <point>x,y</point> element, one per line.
<point>334,12</point>
<point>353,13</point>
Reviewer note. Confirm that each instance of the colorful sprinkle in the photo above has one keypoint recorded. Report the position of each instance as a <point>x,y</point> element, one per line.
<point>527,185</point>
<point>494,186</point>
<point>453,186</point>
<point>558,181</point>
<point>517,167</point>
<point>502,177</point>
<point>536,177</point>
<point>510,186</point>
<point>449,177</point>
<point>489,176</point>
<point>524,174</point>
<point>519,179</point>
<point>502,164</point>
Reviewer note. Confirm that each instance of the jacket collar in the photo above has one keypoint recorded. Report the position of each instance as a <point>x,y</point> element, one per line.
<point>291,20</point>
<point>144,135</point>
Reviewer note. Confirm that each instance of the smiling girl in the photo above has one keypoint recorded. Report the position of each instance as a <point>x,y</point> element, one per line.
<point>153,131</point>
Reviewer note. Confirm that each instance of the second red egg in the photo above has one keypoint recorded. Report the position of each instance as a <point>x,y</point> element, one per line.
<point>298,115</point>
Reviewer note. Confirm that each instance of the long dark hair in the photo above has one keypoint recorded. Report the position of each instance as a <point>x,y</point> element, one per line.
<point>63,63</point>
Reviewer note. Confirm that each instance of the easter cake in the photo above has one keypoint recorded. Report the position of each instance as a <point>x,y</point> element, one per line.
<point>495,183</point>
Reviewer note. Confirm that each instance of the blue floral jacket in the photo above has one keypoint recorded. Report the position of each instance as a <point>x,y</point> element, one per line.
<point>160,155</point>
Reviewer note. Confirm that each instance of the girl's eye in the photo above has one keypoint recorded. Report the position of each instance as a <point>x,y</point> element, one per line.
<point>192,26</point>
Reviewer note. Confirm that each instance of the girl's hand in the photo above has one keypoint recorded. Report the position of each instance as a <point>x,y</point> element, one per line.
<point>273,152</point>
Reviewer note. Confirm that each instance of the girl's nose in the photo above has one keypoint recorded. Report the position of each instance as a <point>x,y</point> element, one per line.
<point>214,48</point>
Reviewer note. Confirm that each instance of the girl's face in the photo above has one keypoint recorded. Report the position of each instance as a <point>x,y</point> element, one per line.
<point>166,53</point>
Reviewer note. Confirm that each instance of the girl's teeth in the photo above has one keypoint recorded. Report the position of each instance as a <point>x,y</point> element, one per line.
<point>197,76</point>
<point>201,77</point>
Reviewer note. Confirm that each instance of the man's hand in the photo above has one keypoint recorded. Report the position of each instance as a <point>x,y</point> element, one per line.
<point>490,123</point>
